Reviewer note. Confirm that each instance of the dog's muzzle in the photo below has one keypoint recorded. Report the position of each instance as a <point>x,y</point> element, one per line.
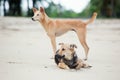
<point>33,19</point>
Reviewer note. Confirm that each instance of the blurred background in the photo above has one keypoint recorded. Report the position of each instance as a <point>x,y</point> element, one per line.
<point>62,8</point>
<point>25,48</point>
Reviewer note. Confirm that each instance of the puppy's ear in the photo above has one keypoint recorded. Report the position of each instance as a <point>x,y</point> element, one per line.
<point>73,46</point>
<point>41,9</point>
<point>34,10</point>
<point>61,43</point>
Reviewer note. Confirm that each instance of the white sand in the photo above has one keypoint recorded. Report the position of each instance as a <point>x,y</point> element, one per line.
<point>25,51</point>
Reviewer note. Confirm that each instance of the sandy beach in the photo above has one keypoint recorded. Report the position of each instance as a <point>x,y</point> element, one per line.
<point>25,51</point>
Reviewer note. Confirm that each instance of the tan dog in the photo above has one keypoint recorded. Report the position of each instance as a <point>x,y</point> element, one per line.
<point>66,58</point>
<point>57,27</point>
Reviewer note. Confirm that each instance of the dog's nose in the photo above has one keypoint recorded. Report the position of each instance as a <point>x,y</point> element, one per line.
<point>33,19</point>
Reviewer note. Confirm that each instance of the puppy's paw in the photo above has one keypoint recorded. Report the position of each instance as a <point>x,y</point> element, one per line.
<point>87,66</point>
<point>63,66</point>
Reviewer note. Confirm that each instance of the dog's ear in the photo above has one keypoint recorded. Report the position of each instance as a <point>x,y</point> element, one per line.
<point>61,43</point>
<point>73,46</point>
<point>34,9</point>
<point>41,9</point>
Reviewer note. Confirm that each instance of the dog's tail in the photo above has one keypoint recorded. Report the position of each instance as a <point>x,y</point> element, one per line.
<point>92,18</point>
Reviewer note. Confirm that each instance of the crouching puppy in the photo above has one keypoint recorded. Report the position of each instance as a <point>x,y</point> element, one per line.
<point>66,58</point>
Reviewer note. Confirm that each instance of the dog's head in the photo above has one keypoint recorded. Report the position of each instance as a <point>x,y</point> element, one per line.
<point>38,14</point>
<point>67,50</point>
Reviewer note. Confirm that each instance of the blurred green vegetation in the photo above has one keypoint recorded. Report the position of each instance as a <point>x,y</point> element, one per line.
<point>104,8</point>
<point>59,11</point>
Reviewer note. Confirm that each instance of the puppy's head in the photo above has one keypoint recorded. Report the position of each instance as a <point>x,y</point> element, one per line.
<point>67,50</point>
<point>38,14</point>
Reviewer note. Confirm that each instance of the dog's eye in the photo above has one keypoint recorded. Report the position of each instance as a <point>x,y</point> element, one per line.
<point>37,14</point>
<point>63,49</point>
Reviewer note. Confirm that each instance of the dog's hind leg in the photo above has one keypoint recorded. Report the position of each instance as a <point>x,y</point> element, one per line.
<point>81,33</point>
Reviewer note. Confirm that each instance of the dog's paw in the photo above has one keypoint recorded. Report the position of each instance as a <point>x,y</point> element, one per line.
<point>52,57</point>
<point>85,59</point>
<point>63,66</point>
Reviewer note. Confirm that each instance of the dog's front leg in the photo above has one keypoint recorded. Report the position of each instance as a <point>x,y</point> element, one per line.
<point>53,42</point>
<point>63,66</point>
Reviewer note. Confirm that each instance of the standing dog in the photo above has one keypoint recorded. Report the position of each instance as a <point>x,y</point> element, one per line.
<point>57,27</point>
<point>66,58</point>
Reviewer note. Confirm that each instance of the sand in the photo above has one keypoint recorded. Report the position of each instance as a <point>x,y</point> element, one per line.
<point>25,51</point>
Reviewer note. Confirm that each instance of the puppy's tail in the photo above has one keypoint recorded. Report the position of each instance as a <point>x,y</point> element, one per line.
<point>92,18</point>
